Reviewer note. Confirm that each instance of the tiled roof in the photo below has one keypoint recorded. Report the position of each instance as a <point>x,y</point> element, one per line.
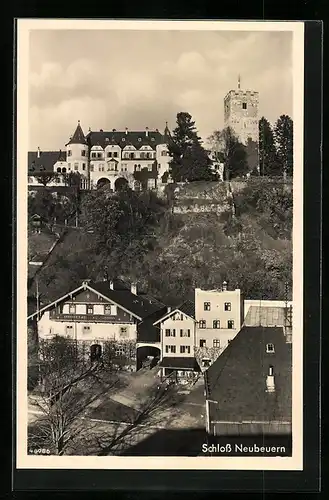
<point>146,331</point>
<point>265,316</point>
<point>188,307</point>
<point>45,162</point>
<point>78,137</point>
<point>133,138</point>
<point>180,363</point>
<point>237,379</point>
<point>140,305</point>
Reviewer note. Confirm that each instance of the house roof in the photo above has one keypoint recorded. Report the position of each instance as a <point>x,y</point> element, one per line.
<point>134,138</point>
<point>46,161</point>
<point>180,363</point>
<point>146,330</point>
<point>78,137</point>
<point>187,308</point>
<point>139,306</point>
<point>237,379</point>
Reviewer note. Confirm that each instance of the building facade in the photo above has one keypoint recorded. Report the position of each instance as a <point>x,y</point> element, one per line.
<point>112,158</point>
<point>219,316</point>
<point>241,113</point>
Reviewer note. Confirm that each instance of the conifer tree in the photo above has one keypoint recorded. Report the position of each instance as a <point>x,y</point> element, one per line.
<point>268,159</point>
<point>283,131</point>
<point>190,161</point>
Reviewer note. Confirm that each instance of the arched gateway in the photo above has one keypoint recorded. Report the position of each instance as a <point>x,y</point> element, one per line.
<point>147,355</point>
<point>120,183</point>
<point>102,182</point>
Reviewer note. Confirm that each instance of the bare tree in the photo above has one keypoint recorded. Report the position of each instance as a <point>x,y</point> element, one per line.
<point>68,386</point>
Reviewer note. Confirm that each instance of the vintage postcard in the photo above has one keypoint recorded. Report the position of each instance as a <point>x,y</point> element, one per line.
<point>160,244</point>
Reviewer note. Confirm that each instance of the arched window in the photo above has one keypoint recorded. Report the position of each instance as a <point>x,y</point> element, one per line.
<point>64,170</point>
<point>59,170</point>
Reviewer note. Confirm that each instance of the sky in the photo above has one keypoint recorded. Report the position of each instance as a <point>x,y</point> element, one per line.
<point>115,79</point>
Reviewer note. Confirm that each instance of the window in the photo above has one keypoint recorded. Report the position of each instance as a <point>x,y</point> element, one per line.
<point>107,309</point>
<point>99,155</point>
<point>109,155</point>
<point>123,139</point>
<point>149,167</point>
<point>171,349</point>
<point>139,139</point>
<point>69,330</point>
<point>120,351</point>
<point>83,153</point>
<point>185,333</point>
<point>91,168</point>
<point>202,323</point>
<point>216,343</point>
<point>76,166</point>
<point>72,308</point>
<point>216,323</point>
<point>123,332</point>
<point>163,153</point>
<point>185,349</point>
<point>206,362</point>
<point>69,153</point>
<point>227,306</point>
<point>83,166</point>
<point>86,329</point>
<point>167,332</point>
<point>115,154</point>
<point>63,170</point>
<point>131,156</point>
<point>101,168</point>
<point>270,348</point>
<point>206,306</point>
<point>93,155</point>
<point>244,105</point>
<point>152,139</point>
<point>170,333</point>
<point>202,343</point>
<point>90,309</point>
<point>230,324</point>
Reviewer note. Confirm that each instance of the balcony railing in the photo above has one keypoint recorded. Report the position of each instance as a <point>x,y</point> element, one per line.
<point>88,318</point>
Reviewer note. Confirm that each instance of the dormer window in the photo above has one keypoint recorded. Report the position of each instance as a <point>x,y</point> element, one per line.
<point>139,139</point>
<point>123,139</point>
<point>152,139</point>
<point>270,348</point>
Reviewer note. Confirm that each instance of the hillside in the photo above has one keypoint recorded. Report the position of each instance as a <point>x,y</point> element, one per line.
<point>251,250</point>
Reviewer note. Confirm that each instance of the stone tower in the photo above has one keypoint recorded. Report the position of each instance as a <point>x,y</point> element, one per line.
<point>77,154</point>
<point>241,113</point>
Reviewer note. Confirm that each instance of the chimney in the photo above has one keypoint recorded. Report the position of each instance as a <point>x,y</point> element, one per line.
<point>168,309</point>
<point>270,385</point>
<point>111,285</point>
<point>38,152</point>
<point>126,130</point>
<point>147,131</point>
<point>133,288</point>
<point>86,282</point>
<point>224,286</point>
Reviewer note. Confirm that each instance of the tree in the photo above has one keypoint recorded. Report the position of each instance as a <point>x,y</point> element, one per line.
<point>69,385</point>
<point>123,224</point>
<point>233,153</point>
<point>190,162</point>
<point>268,159</point>
<point>46,177</point>
<point>283,132</point>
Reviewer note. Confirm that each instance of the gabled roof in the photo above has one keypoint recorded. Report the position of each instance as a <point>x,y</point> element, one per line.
<point>146,330</point>
<point>78,137</point>
<point>140,306</point>
<point>123,139</point>
<point>187,308</point>
<point>237,379</point>
<point>46,161</point>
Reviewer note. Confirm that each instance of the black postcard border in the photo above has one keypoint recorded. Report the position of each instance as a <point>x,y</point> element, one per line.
<point>197,480</point>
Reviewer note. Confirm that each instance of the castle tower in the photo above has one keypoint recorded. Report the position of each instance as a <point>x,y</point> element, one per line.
<point>241,113</point>
<point>77,154</point>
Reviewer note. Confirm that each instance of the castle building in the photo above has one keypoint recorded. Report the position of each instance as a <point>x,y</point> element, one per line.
<point>113,158</point>
<point>241,113</point>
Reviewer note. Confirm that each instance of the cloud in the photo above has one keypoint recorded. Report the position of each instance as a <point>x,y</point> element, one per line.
<point>139,79</point>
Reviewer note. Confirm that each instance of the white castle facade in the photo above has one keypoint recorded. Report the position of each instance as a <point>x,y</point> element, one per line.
<point>103,158</point>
